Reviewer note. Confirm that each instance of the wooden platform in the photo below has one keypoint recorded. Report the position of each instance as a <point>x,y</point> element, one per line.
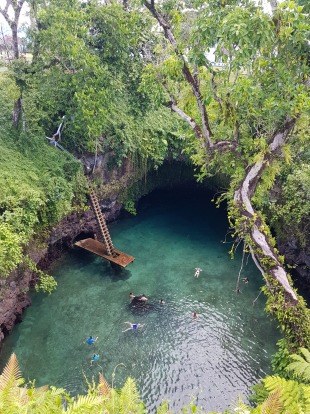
<point>95,246</point>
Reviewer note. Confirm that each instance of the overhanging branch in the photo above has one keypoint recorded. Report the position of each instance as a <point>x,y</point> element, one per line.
<point>190,78</point>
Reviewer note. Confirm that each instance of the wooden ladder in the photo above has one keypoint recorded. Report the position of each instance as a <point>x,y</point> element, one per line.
<point>101,221</point>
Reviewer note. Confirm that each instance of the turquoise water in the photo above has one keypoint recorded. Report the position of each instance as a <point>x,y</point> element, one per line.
<point>211,360</point>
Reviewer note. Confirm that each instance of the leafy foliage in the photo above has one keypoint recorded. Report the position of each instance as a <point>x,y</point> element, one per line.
<point>37,185</point>
<point>300,365</point>
<point>281,396</point>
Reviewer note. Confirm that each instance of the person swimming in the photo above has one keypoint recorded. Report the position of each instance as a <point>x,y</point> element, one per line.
<point>131,296</point>
<point>139,299</point>
<point>90,340</point>
<point>133,326</point>
<point>95,358</point>
<point>197,271</point>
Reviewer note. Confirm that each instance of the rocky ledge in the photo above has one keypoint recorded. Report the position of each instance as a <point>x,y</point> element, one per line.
<point>14,298</point>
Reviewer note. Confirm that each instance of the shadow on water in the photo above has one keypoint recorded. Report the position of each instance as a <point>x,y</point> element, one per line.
<point>211,360</point>
<point>119,273</point>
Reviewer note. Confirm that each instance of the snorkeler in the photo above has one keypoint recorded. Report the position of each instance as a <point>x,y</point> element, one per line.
<point>133,326</point>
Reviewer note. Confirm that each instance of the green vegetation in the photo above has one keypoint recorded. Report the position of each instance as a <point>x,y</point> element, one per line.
<point>136,82</point>
<point>248,119</point>
<point>36,190</point>
<point>274,395</point>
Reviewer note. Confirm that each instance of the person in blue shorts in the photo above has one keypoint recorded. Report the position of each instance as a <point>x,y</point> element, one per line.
<point>90,340</point>
<point>95,358</point>
<point>133,326</point>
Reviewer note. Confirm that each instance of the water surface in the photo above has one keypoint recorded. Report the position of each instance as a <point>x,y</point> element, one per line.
<point>211,360</point>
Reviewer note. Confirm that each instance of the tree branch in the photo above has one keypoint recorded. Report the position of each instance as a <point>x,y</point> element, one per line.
<point>207,133</point>
<point>225,145</point>
<point>242,198</point>
<point>187,118</point>
<point>214,86</point>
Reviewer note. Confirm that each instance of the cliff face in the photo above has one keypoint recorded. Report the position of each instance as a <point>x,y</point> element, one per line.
<point>13,291</point>
<point>14,296</point>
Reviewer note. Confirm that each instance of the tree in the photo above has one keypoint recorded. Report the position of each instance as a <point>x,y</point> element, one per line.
<point>243,116</point>
<point>88,66</point>
<point>16,6</point>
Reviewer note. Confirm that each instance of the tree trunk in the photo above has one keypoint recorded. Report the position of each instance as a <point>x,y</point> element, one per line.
<point>15,40</point>
<point>17,112</point>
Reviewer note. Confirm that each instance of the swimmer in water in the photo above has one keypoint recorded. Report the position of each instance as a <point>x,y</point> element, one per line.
<point>133,326</point>
<point>90,340</point>
<point>161,302</point>
<point>197,272</point>
<point>131,295</point>
<point>195,316</point>
<point>95,358</point>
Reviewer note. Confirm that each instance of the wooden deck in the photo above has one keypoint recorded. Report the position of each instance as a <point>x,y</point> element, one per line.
<point>95,246</point>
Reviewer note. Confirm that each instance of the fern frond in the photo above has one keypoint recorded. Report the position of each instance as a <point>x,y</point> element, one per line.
<point>290,393</point>
<point>300,367</point>
<point>11,394</point>
<point>104,388</point>
<point>163,408</point>
<point>84,404</point>
<point>306,354</point>
<point>43,400</point>
<point>272,405</point>
<point>11,374</point>
<point>129,398</point>
<point>273,383</point>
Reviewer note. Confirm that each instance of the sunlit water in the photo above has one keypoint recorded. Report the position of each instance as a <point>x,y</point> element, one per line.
<point>211,360</point>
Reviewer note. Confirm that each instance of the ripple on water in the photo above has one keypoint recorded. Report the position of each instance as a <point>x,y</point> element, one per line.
<point>210,360</point>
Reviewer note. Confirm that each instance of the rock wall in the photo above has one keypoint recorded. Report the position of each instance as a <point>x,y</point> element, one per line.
<point>14,298</point>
